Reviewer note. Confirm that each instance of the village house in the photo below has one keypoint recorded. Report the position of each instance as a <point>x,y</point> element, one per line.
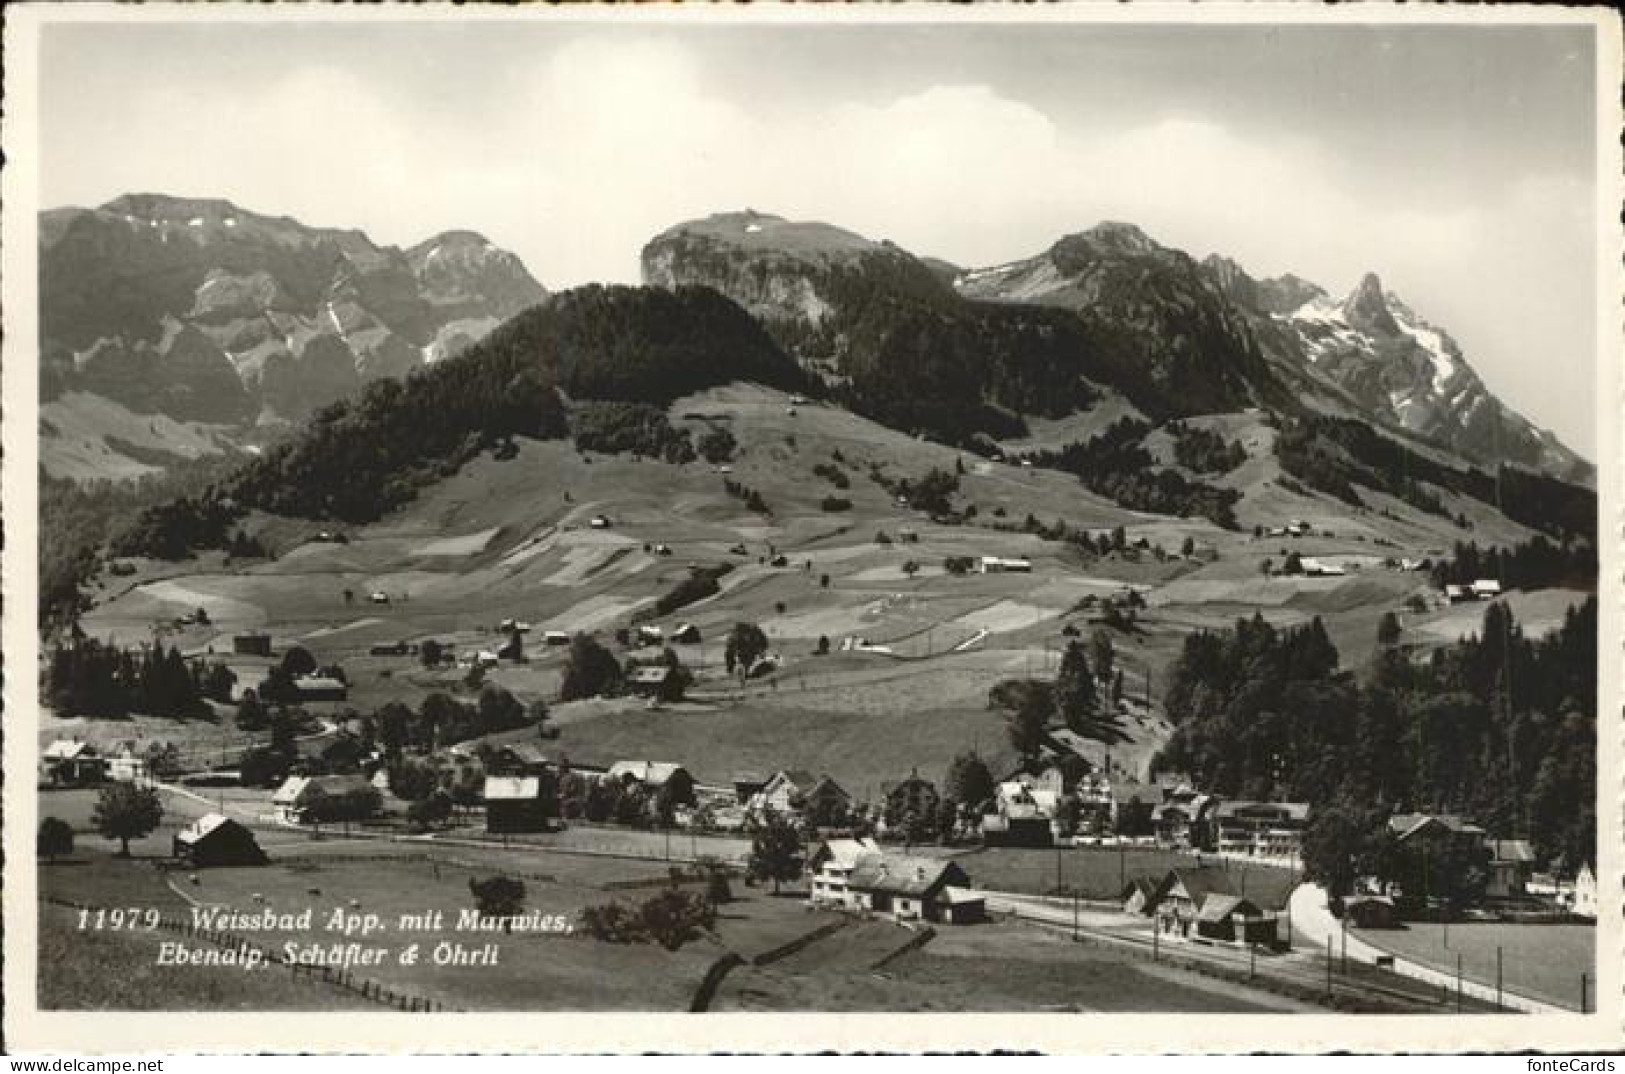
<point>1370,911</point>
<point>216,840</point>
<point>1005,565</point>
<point>315,688</point>
<point>1511,862</point>
<point>1486,588</point>
<point>1023,817</point>
<point>912,795</point>
<point>656,680</point>
<point>912,888</point>
<point>253,644</point>
<point>830,869</point>
<point>520,803</point>
<point>1456,594</point>
<point>518,759</point>
<point>685,634</point>
<point>657,777</point>
<point>1269,830</point>
<point>1232,919</point>
<point>1183,819</point>
<point>1181,894</point>
<point>1434,827</point>
<point>1140,897</point>
<point>785,792</point>
<point>1585,893</point>
<point>71,762</point>
<point>127,766</point>
<point>302,799</point>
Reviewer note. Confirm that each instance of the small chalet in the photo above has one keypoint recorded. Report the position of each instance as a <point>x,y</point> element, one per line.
<point>686,634</point>
<point>1511,862</point>
<point>1486,588</point>
<point>1140,897</point>
<point>1434,827</point>
<point>830,868</point>
<point>913,888</point>
<point>785,792</point>
<point>520,803</point>
<point>1180,896</point>
<point>1370,911</point>
<point>1234,920</point>
<point>301,799</point>
<point>1456,594</point>
<point>656,776</point>
<point>216,840</point>
<point>69,762</point>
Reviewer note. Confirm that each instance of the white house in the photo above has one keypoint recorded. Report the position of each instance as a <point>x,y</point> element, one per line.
<point>1485,588</point>
<point>830,867</point>
<point>1585,893</point>
<point>1006,565</point>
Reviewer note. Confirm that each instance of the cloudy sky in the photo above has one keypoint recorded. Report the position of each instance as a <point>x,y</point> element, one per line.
<point>1455,161</point>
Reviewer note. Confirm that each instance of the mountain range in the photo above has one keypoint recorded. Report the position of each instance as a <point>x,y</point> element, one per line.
<point>201,312</point>
<point>192,325</point>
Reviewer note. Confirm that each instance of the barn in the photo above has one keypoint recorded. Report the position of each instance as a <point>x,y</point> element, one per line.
<point>217,840</point>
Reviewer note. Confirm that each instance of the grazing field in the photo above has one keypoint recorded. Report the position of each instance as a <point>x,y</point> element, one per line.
<point>1544,962</point>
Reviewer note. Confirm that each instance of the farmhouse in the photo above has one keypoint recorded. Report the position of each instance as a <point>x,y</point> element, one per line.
<point>657,777</point>
<point>214,839</point>
<point>1261,829</point>
<point>555,637</point>
<point>520,803</point>
<point>657,680</point>
<point>302,799</point>
<point>1317,568</point>
<point>1486,588</point>
<point>912,888</point>
<point>649,635</point>
<point>685,634</point>
<point>69,761</point>
<point>785,792</point>
<point>830,868</point>
<point>321,688</point>
<point>253,644</point>
<point>1457,594</point>
<point>518,759</point>
<point>1005,565</point>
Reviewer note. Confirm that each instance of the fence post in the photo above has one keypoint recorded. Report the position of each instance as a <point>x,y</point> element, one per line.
<point>1458,982</point>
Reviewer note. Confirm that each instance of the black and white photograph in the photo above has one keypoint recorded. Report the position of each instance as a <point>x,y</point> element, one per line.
<point>1087,514</point>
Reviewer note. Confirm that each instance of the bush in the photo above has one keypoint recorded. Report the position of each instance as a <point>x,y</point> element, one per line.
<point>718,445</point>
<point>56,839</point>
<point>834,503</point>
<point>671,918</point>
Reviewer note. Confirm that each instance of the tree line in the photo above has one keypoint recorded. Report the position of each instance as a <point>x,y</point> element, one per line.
<point>1499,727</point>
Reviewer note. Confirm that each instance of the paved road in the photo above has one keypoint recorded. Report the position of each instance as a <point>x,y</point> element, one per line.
<point>1312,919</point>
<point>1304,967</point>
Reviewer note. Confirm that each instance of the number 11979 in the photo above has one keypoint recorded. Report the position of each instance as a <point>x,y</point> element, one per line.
<point>118,917</point>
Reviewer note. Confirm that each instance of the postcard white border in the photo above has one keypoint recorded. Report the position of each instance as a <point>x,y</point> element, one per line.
<point>30,1030</point>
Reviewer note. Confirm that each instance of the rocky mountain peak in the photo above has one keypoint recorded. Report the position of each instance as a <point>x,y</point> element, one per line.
<point>1366,308</point>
